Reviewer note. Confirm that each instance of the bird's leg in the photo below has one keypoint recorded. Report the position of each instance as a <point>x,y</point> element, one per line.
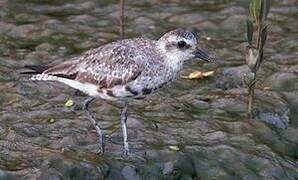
<point>94,123</point>
<point>123,118</point>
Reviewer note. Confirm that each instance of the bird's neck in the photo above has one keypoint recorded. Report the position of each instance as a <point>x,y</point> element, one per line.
<point>175,65</point>
<point>172,61</point>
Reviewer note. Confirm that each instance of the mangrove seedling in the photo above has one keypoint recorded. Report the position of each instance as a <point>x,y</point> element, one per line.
<point>256,32</point>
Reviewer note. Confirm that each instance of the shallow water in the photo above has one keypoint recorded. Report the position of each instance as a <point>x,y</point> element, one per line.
<point>205,119</point>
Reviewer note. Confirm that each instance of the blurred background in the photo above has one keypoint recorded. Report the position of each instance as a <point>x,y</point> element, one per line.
<point>192,129</point>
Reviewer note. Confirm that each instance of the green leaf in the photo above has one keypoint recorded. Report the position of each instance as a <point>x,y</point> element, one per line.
<point>249,31</point>
<point>261,11</point>
<point>263,36</point>
<point>257,7</point>
<point>259,62</point>
<point>265,8</point>
<point>252,9</point>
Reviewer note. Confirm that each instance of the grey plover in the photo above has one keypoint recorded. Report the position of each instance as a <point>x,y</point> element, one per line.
<point>124,70</point>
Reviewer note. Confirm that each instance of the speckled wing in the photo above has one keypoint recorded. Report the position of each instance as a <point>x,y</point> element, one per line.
<point>108,66</point>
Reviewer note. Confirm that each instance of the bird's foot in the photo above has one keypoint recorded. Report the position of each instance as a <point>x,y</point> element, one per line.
<point>126,152</point>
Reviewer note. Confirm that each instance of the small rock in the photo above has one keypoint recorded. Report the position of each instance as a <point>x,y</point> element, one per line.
<point>5,27</point>
<point>44,47</point>
<point>183,19</point>
<point>160,15</point>
<point>49,174</point>
<point>21,32</point>
<point>279,121</point>
<point>206,26</point>
<point>87,45</point>
<point>8,175</point>
<point>216,136</point>
<point>201,104</point>
<point>144,24</point>
<point>57,26</point>
<point>283,81</point>
<point>135,123</point>
<point>234,24</point>
<point>292,99</point>
<point>168,168</point>
<point>289,2</point>
<point>38,55</point>
<point>230,105</point>
<point>233,10</point>
<point>32,131</point>
<point>290,43</point>
<point>56,168</point>
<point>130,173</point>
<point>24,18</point>
<point>232,77</point>
<point>82,19</point>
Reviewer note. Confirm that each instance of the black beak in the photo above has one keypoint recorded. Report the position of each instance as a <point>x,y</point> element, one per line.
<point>202,55</point>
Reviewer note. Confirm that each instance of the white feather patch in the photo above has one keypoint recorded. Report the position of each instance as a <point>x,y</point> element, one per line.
<point>87,88</point>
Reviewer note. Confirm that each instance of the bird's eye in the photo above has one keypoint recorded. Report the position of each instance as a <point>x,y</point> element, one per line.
<point>181,44</point>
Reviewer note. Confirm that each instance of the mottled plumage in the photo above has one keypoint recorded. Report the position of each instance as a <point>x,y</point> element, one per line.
<point>130,68</point>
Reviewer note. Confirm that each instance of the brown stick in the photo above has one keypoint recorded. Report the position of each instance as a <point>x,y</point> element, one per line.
<point>121,19</point>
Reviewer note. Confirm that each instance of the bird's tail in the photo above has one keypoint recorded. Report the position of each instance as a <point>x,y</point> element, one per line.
<point>66,70</point>
<point>36,73</point>
<point>36,69</point>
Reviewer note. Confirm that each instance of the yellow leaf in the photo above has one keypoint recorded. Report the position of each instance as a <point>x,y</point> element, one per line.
<point>209,73</point>
<point>52,120</point>
<point>267,88</point>
<point>174,148</point>
<point>198,75</point>
<point>69,103</point>
<point>195,75</point>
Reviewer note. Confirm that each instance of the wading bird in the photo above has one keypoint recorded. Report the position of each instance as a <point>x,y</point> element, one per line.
<point>123,70</point>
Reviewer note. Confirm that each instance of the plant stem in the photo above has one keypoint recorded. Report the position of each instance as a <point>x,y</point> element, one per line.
<point>251,92</point>
<point>251,88</point>
<point>121,19</point>
<point>262,6</point>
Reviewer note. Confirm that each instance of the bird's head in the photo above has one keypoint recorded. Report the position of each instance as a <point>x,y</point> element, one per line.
<point>181,45</point>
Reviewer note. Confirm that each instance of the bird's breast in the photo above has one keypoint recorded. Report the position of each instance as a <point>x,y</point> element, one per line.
<point>150,80</point>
